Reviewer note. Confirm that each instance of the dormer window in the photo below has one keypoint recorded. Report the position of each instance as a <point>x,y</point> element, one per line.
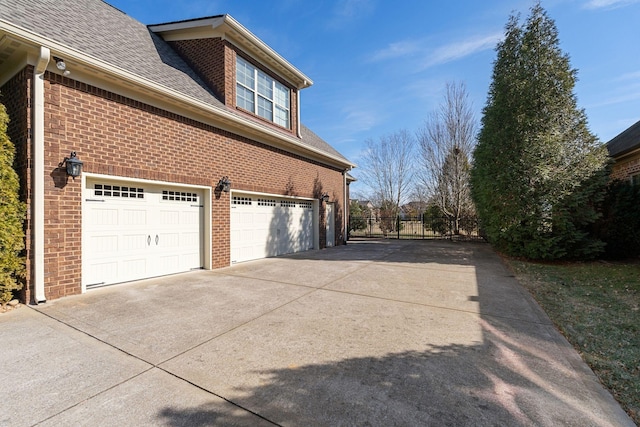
<point>260,94</point>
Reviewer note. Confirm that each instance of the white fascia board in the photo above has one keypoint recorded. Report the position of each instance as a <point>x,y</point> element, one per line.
<point>206,113</point>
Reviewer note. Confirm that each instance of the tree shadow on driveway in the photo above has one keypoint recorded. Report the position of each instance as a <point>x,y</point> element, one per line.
<point>500,364</point>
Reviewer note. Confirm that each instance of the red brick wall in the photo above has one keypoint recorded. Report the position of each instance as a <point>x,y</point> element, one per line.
<point>114,135</point>
<point>207,58</point>
<point>626,167</point>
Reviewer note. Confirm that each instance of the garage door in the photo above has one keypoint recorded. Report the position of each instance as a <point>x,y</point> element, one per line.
<point>263,226</point>
<point>133,231</point>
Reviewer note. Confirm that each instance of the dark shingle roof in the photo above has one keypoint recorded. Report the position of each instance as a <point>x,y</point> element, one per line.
<point>103,32</point>
<point>99,30</point>
<point>626,141</point>
<point>315,141</point>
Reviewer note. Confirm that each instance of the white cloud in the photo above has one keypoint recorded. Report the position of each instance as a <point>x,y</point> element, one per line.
<point>428,56</point>
<point>608,4</point>
<point>347,11</point>
<point>629,76</point>
<point>619,99</point>
<point>396,50</point>
<point>359,117</point>
<point>457,50</point>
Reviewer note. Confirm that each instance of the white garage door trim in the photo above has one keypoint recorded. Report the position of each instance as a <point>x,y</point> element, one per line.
<point>264,225</point>
<point>89,201</point>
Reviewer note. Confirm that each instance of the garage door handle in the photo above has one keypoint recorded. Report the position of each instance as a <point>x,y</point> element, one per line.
<point>156,240</point>
<point>149,240</point>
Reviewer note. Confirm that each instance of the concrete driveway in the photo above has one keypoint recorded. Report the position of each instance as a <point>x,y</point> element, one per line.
<point>375,333</point>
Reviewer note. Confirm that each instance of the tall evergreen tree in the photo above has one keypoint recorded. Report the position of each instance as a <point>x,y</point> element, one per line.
<point>11,217</point>
<point>537,168</point>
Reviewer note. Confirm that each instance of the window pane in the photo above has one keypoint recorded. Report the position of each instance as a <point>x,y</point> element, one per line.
<point>244,98</point>
<point>265,108</point>
<point>281,117</point>
<point>282,96</point>
<point>245,73</point>
<point>265,85</point>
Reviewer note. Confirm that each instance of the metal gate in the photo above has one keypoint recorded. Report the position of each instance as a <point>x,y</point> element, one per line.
<point>420,227</point>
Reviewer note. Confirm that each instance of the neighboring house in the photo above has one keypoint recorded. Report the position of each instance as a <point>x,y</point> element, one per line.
<point>193,152</point>
<point>625,150</point>
<point>365,205</point>
<point>412,209</point>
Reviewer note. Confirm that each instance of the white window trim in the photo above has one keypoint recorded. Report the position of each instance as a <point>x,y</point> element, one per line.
<point>275,86</point>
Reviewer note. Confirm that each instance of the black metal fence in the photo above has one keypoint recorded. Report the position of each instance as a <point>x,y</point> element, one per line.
<point>421,227</point>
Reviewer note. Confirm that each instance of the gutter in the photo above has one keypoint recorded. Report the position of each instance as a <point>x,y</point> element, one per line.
<point>37,135</point>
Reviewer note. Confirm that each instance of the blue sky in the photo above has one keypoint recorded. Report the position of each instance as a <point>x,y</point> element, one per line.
<point>380,66</point>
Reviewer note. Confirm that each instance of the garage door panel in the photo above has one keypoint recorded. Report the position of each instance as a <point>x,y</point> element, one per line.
<point>106,270</point>
<point>167,240</point>
<point>134,217</point>
<point>134,242</point>
<point>169,217</point>
<point>135,232</point>
<point>189,218</point>
<point>190,239</point>
<point>104,217</point>
<point>133,269</point>
<point>104,244</point>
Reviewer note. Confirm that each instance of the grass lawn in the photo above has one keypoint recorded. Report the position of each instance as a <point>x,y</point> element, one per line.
<point>596,306</point>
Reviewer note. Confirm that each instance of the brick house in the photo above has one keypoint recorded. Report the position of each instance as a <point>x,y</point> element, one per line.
<point>625,150</point>
<point>193,153</point>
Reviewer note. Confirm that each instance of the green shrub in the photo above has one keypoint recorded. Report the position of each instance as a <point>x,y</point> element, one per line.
<point>12,213</point>
<point>435,220</point>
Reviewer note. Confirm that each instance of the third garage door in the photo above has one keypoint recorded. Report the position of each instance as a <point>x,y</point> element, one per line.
<point>263,226</point>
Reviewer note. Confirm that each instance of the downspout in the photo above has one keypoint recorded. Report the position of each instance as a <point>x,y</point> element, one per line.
<point>298,110</point>
<point>37,134</point>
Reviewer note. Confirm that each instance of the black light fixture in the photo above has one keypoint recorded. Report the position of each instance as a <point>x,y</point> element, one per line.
<point>324,197</point>
<point>74,165</point>
<point>224,184</point>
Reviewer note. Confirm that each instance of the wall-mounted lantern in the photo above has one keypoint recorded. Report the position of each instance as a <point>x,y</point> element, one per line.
<point>74,165</point>
<point>324,197</point>
<point>224,184</point>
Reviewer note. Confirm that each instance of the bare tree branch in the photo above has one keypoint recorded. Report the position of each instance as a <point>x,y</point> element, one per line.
<point>446,142</point>
<point>387,168</point>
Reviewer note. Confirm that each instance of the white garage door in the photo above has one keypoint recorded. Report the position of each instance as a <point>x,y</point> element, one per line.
<point>263,226</point>
<point>133,231</point>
